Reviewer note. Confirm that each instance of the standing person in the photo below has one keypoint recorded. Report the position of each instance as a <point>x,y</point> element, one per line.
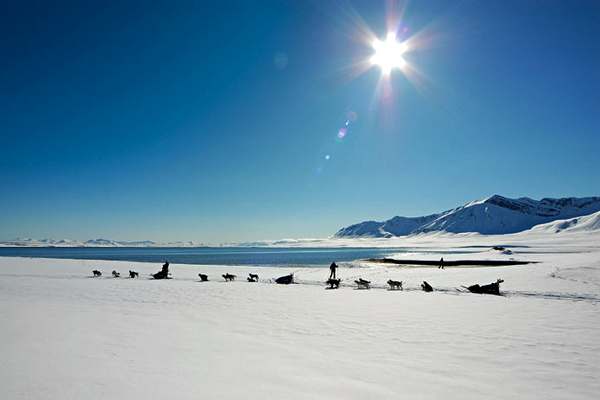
<point>441,263</point>
<point>332,268</point>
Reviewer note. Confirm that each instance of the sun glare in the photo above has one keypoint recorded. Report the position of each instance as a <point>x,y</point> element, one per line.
<point>388,53</point>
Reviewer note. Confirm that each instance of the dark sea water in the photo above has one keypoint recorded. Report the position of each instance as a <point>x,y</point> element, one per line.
<point>267,256</point>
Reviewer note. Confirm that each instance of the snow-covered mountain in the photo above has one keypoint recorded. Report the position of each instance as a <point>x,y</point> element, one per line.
<point>28,242</point>
<point>493,215</point>
<point>587,223</point>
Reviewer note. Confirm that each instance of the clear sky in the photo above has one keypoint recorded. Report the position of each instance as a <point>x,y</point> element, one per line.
<point>219,122</point>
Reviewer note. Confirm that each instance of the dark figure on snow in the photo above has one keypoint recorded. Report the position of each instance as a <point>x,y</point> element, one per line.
<point>333,283</point>
<point>163,273</point>
<point>332,268</point>
<point>492,288</point>
<point>441,263</point>
<point>426,287</point>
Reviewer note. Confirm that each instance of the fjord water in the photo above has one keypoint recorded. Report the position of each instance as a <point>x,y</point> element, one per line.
<point>268,256</point>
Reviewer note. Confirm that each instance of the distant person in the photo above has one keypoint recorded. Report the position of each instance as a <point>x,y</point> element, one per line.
<point>332,268</point>
<point>163,273</point>
<point>441,263</point>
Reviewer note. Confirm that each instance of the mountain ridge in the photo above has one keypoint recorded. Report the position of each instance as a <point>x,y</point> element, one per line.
<point>99,242</point>
<point>492,215</point>
<point>586,223</point>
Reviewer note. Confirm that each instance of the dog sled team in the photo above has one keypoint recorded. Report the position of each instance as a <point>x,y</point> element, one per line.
<point>332,283</point>
<point>162,274</point>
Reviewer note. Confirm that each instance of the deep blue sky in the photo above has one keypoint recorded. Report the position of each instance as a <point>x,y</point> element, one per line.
<point>212,122</point>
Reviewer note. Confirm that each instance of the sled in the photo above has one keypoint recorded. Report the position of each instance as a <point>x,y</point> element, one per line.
<point>160,275</point>
<point>426,287</point>
<point>492,288</point>
<point>285,280</point>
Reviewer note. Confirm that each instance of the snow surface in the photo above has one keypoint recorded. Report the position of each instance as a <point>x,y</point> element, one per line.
<point>67,336</point>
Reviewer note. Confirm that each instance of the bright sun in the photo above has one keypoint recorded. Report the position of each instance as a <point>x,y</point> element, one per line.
<point>388,53</point>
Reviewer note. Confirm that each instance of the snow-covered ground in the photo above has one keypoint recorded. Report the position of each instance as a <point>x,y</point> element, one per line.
<point>65,335</point>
